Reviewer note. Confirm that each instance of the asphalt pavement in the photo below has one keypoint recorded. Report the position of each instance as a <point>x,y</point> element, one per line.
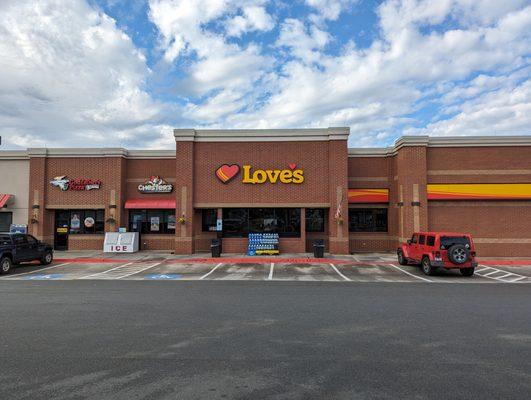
<point>260,339</point>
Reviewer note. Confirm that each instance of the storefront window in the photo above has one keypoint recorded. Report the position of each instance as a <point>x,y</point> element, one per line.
<point>152,221</point>
<point>81,221</point>
<point>315,218</point>
<point>209,219</point>
<point>6,219</point>
<point>367,219</point>
<point>239,222</point>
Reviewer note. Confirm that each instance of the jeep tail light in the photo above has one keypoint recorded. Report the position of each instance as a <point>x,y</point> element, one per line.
<point>437,255</point>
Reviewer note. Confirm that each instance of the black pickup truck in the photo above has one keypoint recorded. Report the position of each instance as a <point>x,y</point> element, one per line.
<point>17,247</point>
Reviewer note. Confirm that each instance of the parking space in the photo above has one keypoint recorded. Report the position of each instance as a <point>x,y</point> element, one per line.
<point>304,272</point>
<point>359,269</point>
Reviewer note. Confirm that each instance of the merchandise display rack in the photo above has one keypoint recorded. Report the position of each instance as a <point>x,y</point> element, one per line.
<point>263,244</point>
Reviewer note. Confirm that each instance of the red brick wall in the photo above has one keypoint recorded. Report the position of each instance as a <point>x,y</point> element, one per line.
<point>374,173</point>
<point>500,228</point>
<point>312,157</point>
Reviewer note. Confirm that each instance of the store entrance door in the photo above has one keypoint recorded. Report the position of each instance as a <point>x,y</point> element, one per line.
<point>61,229</point>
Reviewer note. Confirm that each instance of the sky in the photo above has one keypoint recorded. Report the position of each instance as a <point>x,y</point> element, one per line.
<point>124,73</point>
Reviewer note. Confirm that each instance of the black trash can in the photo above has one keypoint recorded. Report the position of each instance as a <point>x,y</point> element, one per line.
<point>215,247</point>
<point>318,248</point>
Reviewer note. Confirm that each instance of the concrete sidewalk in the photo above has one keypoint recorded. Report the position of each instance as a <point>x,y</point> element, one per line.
<point>100,256</point>
<point>91,256</point>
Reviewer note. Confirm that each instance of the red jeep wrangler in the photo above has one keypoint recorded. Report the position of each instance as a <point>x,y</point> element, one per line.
<point>434,250</point>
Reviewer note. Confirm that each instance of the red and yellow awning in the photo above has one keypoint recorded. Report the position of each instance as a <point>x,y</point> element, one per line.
<point>368,196</point>
<point>480,191</point>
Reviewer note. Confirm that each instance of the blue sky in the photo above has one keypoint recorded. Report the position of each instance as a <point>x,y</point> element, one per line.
<point>124,73</point>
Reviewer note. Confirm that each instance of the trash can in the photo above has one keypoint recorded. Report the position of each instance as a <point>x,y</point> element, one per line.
<point>318,248</point>
<point>215,247</point>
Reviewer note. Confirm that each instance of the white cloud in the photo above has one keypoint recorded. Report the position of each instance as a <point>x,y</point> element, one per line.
<point>375,89</point>
<point>226,72</point>
<point>504,111</point>
<point>254,18</point>
<point>330,9</point>
<point>303,43</point>
<point>69,77</point>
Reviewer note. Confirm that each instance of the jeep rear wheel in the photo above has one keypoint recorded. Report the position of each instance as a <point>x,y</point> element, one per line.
<point>426,266</point>
<point>458,254</point>
<point>5,265</point>
<point>467,271</point>
<point>401,259</point>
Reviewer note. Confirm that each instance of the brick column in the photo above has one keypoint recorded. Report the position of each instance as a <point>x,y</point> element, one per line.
<point>411,186</point>
<point>42,226</point>
<point>338,195</point>
<point>184,190</point>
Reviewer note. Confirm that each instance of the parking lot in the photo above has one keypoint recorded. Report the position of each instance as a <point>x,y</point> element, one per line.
<point>368,268</point>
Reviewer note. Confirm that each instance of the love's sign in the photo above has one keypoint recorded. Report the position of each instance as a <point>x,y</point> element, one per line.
<point>290,175</point>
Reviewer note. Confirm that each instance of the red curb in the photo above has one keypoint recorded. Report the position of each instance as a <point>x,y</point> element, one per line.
<point>93,260</point>
<point>506,262</point>
<point>259,260</point>
<point>207,260</point>
<point>253,260</point>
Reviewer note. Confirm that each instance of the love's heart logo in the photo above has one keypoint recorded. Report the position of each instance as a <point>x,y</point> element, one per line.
<point>226,172</point>
<point>293,166</point>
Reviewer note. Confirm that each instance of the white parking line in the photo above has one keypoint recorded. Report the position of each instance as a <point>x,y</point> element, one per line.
<point>508,277</point>
<point>339,273</point>
<point>213,269</point>
<point>103,272</point>
<point>139,271</point>
<point>35,271</point>
<point>410,274</point>
<point>271,269</point>
<point>518,279</point>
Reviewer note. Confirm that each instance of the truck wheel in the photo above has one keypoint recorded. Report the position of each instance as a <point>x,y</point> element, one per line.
<point>47,258</point>
<point>426,266</point>
<point>6,265</point>
<point>401,259</point>
<point>467,271</point>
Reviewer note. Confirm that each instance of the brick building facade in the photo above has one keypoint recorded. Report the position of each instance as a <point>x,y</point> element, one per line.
<point>354,199</point>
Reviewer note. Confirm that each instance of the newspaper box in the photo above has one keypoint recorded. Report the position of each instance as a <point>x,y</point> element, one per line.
<point>116,242</point>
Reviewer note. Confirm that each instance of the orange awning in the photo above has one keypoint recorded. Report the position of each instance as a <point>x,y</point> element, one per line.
<point>151,204</point>
<point>4,198</point>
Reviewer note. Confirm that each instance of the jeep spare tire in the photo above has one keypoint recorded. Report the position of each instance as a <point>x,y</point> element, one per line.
<point>458,254</point>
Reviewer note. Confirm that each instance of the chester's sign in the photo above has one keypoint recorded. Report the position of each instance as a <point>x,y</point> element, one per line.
<point>290,175</point>
<point>155,184</point>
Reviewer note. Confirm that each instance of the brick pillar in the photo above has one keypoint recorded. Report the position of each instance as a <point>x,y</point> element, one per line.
<point>411,190</point>
<point>43,225</point>
<point>114,195</point>
<point>338,195</point>
<point>302,248</point>
<point>184,198</point>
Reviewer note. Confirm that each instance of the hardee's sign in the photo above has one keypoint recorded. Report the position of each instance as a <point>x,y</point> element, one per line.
<point>291,175</point>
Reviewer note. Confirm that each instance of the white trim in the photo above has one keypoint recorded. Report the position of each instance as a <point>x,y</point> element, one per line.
<point>261,135</point>
<point>442,141</point>
<point>98,152</point>
<point>14,155</point>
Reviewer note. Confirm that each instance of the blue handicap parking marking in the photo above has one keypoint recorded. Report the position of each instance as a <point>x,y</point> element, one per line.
<point>43,277</point>
<point>163,276</point>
